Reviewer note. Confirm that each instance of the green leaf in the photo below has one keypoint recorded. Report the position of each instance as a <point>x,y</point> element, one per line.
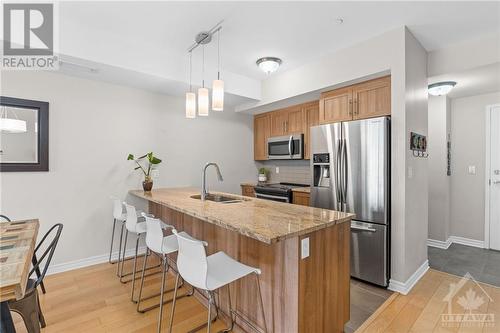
<point>155,160</point>
<point>130,157</point>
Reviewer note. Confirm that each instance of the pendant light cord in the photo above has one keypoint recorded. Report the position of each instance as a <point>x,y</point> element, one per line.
<point>203,67</point>
<point>218,54</point>
<point>191,71</point>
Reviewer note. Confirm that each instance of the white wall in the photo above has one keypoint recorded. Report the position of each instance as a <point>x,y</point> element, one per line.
<point>468,148</point>
<point>416,186</point>
<point>439,181</point>
<point>92,127</point>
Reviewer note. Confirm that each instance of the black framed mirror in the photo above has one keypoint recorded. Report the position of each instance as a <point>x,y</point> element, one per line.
<point>24,135</point>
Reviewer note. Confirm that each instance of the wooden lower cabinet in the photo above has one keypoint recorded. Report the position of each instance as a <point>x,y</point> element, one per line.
<point>247,190</point>
<point>300,198</point>
<point>299,295</point>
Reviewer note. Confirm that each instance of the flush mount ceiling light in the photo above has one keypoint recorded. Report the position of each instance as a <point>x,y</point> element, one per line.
<point>269,64</point>
<point>11,125</point>
<point>441,88</point>
<point>202,39</point>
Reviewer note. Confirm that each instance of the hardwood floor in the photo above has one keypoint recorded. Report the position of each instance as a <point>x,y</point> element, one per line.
<point>92,299</point>
<point>423,308</point>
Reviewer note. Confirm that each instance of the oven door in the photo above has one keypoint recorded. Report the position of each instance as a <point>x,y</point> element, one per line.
<point>286,147</point>
<point>272,197</point>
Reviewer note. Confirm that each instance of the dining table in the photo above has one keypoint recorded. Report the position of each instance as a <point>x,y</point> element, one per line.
<point>17,244</point>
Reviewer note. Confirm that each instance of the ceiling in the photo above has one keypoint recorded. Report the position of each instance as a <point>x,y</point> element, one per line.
<point>476,81</point>
<point>153,37</point>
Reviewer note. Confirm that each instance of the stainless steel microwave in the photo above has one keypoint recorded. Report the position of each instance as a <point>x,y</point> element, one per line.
<point>290,147</point>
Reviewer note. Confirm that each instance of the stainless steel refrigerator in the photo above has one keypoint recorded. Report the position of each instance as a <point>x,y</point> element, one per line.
<point>350,167</point>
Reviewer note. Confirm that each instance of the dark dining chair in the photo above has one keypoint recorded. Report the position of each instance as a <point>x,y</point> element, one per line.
<point>3,217</point>
<point>29,306</point>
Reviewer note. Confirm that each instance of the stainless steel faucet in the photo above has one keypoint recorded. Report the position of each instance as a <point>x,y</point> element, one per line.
<point>204,191</point>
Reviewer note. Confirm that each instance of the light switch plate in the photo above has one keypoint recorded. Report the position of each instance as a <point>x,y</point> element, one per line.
<point>410,172</point>
<point>277,169</point>
<point>304,253</point>
<point>471,169</point>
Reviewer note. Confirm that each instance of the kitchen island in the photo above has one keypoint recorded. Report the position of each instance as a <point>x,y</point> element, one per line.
<point>303,289</point>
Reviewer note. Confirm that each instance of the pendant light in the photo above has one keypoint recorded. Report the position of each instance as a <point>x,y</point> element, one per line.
<point>218,85</point>
<point>203,92</point>
<point>11,125</point>
<point>190,95</point>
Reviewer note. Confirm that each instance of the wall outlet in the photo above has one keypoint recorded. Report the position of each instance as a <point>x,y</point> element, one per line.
<point>304,253</point>
<point>471,169</point>
<point>410,172</point>
<point>277,169</point>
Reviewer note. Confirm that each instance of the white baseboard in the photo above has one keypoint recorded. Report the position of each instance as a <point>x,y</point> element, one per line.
<point>457,240</point>
<point>467,241</point>
<point>439,244</point>
<point>405,287</point>
<point>80,263</point>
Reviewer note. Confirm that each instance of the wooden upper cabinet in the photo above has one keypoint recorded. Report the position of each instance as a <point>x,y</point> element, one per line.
<point>335,106</point>
<point>287,121</point>
<point>295,122</point>
<point>278,120</point>
<point>372,98</point>
<point>260,135</point>
<point>311,118</point>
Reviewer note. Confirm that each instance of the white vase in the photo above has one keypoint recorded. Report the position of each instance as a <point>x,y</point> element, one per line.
<point>262,178</point>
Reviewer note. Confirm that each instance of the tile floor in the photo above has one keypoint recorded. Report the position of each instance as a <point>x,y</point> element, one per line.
<point>365,299</point>
<point>482,264</point>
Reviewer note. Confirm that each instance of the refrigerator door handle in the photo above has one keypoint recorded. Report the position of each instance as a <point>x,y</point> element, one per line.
<point>344,173</point>
<point>337,174</point>
<point>363,229</point>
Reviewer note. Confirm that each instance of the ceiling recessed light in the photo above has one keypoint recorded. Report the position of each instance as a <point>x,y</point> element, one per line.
<point>269,64</point>
<point>339,20</point>
<point>441,88</point>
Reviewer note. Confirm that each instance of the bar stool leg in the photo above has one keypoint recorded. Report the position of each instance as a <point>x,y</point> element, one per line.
<point>170,324</point>
<point>119,251</point>
<point>112,239</point>
<point>123,255</point>
<point>165,269</point>
<point>135,266</point>
<point>261,302</point>
<point>142,279</point>
<point>230,328</point>
<point>209,322</point>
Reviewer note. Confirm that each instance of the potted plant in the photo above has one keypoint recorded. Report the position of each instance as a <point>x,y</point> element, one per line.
<point>263,173</point>
<point>147,184</point>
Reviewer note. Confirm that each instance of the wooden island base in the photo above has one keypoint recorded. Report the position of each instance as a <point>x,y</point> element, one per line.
<point>299,295</point>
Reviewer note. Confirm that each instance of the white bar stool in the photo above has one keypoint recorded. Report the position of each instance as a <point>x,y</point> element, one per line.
<point>137,226</point>
<point>209,274</point>
<point>162,246</point>
<point>118,216</point>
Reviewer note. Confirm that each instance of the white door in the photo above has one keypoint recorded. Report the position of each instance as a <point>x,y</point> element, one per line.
<point>495,178</point>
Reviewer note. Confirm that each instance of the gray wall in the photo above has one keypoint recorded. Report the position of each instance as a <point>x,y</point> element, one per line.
<point>439,181</point>
<point>93,126</point>
<point>468,148</point>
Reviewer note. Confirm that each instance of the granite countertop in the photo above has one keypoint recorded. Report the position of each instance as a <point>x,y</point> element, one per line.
<point>264,220</point>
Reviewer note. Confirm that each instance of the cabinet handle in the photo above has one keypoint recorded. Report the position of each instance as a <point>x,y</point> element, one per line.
<point>350,107</point>
<point>356,107</point>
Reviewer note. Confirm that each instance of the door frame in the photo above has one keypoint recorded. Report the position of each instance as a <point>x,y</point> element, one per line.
<point>487,172</point>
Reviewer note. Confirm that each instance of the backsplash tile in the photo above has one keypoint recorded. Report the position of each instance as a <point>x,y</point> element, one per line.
<point>289,171</point>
